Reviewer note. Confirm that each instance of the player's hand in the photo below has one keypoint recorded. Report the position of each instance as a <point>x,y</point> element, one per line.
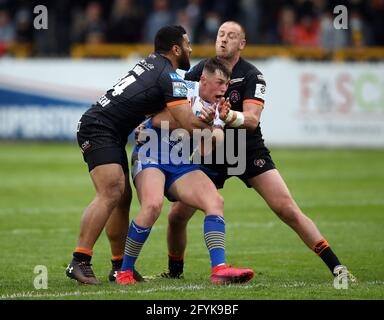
<point>207,114</point>
<point>224,106</point>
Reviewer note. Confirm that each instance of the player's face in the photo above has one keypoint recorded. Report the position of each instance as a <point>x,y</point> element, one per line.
<point>184,62</point>
<point>214,86</point>
<point>229,41</point>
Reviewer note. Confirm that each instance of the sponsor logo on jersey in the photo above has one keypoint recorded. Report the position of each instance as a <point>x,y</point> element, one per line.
<point>138,70</point>
<point>85,146</point>
<point>234,96</point>
<point>175,76</point>
<point>146,65</point>
<point>236,80</point>
<point>259,163</point>
<point>179,89</point>
<point>260,91</point>
<point>191,84</point>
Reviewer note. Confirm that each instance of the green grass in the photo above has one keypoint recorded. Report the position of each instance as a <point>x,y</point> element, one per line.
<point>45,187</point>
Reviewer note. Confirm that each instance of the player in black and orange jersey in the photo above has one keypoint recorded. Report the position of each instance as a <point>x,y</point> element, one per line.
<point>246,93</point>
<point>151,86</point>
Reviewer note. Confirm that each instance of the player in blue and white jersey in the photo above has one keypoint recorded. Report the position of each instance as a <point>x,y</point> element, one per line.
<point>157,173</point>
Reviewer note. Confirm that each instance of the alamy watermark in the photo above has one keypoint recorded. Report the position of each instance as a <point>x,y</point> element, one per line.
<point>341,20</point>
<point>41,19</point>
<point>41,280</point>
<point>341,280</point>
<point>165,146</point>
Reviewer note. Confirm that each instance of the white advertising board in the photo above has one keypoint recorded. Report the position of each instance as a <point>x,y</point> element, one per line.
<point>307,103</point>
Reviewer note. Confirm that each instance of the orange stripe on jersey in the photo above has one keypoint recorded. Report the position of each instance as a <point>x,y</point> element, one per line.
<point>254,101</point>
<point>175,103</point>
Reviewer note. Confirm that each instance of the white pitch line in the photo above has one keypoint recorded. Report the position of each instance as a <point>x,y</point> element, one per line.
<point>106,292</point>
<point>295,284</point>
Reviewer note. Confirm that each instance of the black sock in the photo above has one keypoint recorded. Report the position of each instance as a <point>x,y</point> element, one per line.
<point>79,257</point>
<point>329,258</point>
<point>116,264</point>
<point>176,267</point>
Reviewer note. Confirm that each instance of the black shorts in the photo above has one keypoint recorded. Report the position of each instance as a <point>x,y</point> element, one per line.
<point>258,161</point>
<point>100,143</point>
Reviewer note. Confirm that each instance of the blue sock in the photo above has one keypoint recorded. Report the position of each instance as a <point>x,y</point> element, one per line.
<point>214,236</point>
<point>135,241</point>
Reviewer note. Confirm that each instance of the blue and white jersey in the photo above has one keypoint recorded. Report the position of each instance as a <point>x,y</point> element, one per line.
<point>162,147</point>
<point>193,96</point>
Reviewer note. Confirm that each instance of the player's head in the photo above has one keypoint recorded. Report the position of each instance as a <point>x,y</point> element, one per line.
<point>230,40</point>
<point>214,79</point>
<point>174,41</point>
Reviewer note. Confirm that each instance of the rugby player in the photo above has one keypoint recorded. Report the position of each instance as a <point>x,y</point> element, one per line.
<point>157,173</point>
<point>246,94</point>
<point>151,86</point>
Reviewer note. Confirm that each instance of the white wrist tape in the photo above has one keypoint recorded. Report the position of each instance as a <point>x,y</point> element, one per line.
<point>239,120</point>
<point>234,119</point>
<point>229,116</point>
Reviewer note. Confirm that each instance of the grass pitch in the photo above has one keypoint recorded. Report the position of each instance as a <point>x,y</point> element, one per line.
<point>45,187</point>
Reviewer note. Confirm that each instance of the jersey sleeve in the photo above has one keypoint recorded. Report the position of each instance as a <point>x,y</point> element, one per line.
<point>255,89</point>
<point>174,89</point>
<point>195,73</point>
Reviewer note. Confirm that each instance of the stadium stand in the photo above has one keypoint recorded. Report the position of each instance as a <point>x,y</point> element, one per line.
<point>300,29</point>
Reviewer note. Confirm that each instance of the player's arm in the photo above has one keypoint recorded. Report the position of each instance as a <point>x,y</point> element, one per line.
<point>252,113</point>
<point>207,116</point>
<point>165,115</point>
<point>248,119</point>
<point>182,113</point>
<point>157,119</point>
<point>253,104</point>
<point>175,94</point>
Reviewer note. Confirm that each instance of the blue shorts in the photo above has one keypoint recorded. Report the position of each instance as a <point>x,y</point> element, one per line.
<point>171,172</point>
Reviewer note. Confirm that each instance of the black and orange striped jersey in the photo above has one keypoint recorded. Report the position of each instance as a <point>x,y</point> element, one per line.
<point>149,87</point>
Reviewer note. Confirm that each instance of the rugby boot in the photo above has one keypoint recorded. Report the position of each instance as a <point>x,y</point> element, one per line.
<point>341,271</point>
<point>224,274</point>
<point>115,270</point>
<point>125,277</point>
<point>82,272</point>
